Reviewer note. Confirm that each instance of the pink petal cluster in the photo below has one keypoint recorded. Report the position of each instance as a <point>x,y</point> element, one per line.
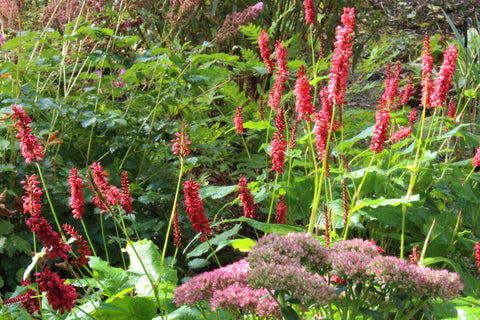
<point>477,254</point>
<point>380,132</point>
<point>195,210</point>
<point>310,15</point>
<point>50,239</point>
<point>109,195</point>
<point>265,51</point>
<point>415,256</point>
<point>238,120</point>
<point>76,191</point>
<point>31,149</point>
<point>83,250</point>
<point>476,158</point>
<point>412,117</point>
<point>281,76</point>
<point>444,77</point>
<point>227,288</point>
<point>281,210</point>
<point>303,99</point>
<point>279,143</point>
<point>126,197</point>
<point>452,109</point>
<point>246,198</point>
<point>60,296</point>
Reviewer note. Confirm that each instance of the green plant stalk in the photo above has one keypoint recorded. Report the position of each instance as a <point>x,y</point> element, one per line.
<point>213,252</point>
<point>103,237</point>
<point>246,148</point>
<point>170,222</point>
<point>88,237</point>
<point>425,245</point>
<point>120,243</point>
<point>355,196</point>
<point>273,198</point>
<point>50,201</point>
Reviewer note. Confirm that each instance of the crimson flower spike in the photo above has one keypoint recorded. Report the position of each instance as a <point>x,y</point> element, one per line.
<point>246,198</point>
<point>279,143</point>
<point>310,15</point>
<point>31,149</point>
<point>444,77</point>
<point>281,210</point>
<point>281,76</point>
<point>126,197</point>
<point>76,191</point>
<point>476,158</point>
<point>303,98</point>
<point>427,67</point>
<point>265,51</point>
<point>238,120</point>
<point>195,210</point>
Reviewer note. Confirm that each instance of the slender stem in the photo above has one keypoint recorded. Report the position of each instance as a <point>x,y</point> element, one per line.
<point>214,254</point>
<point>88,237</point>
<point>103,237</point>
<point>273,198</point>
<point>246,148</point>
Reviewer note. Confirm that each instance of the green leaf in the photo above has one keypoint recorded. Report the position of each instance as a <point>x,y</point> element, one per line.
<point>267,227</point>
<point>144,269</point>
<point>243,245</point>
<point>15,243</point>
<point>216,192</point>
<point>198,263</point>
<point>127,308</point>
<point>375,203</point>
<point>219,240</point>
<point>110,278</point>
<point>289,314</point>
<point>260,125</point>
<point>371,313</point>
<point>5,227</point>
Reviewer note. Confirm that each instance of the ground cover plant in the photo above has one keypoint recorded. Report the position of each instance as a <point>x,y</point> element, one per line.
<point>283,166</point>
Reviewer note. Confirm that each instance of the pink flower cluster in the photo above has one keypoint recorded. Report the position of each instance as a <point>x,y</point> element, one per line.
<point>232,23</point>
<point>83,250</point>
<point>309,12</point>
<point>281,210</point>
<point>31,149</point>
<point>106,195</point>
<point>76,191</point>
<point>195,210</point>
<point>180,144</point>
<point>476,158</point>
<point>444,77</point>
<point>227,288</point>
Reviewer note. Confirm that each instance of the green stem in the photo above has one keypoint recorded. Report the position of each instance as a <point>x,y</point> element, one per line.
<point>103,237</point>
<point>88,237</point>
<point>246,148</point>
<point>273,198</point>
<point>214,254</point>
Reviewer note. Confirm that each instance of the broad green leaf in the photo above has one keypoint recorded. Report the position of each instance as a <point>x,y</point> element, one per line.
<point>243,245</point>
<point>110,278</point>
<point>219,240</point>
<point>127,308</point>
<point>259,125</point>
<point>289,314</point>
<point>198,263</point>
<point>375,203</point>
<point>144,269</point>
<point>216,192</point>
<point>5,227</point>
<point>267,227</point>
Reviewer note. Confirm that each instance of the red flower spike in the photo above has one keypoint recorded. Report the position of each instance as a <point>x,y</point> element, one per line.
<point>126,198</point>
<point>477,254</point>
<point>452,109</point>
<point>415,256</point>
<point>246,198</point>
<point>83,249</point>
<point>281,76</point>
<point>408,91</point>
<point>444,77</point>
<point>279,144</point>
<point>265,51</point>
<point>412,117</point>
<point>238,120</point>
<point>401,134</point>
<point>180,144</point>
<point>303,99</point>
<point>110,193</point>
<point>195,210</point>
<point>177,233</point>
<point>60,296</point>
<point>50,239</point>
<point>476,158</point>
<point>294,134</point>
<point>380,132</point>
<point>310,15</point>
<point>76,191</point>
<point>281,210</point>
<point>31,149</point>
<point>427,67</point>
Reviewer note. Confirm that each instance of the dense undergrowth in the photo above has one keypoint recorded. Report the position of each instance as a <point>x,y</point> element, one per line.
<point>178,138</point>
